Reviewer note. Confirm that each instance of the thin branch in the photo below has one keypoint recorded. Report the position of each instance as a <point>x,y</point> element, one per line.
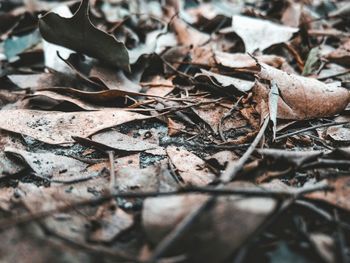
<point>310,129</point>
<point>234,167</point>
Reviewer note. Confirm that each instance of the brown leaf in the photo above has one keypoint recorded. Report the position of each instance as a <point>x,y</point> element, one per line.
<point>244,61</point>
<point>56,168</point>
<point>234,84</point>
<point>217,233</point>
<point>260,34</point>
<point>187,35</point>
<point>190,167</point>
<point>340,196</point>
<point>41,81</point>
<point>48,100</point>
<point>341,55</point>
<point>213,113</point>
<point>97,96</point>
<point>174,127</point>
<point>301,97</point>
<point>59,127</point>
<point>113,79</point>
<point>118,141</point>
<point>110,221</point>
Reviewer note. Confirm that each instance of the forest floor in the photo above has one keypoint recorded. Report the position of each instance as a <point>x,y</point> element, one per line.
<point>175,131</point>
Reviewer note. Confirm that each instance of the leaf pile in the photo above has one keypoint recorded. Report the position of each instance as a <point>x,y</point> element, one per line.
<point>174,131</point>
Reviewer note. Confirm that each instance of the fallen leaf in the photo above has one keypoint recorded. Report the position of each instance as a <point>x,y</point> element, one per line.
<point>78,33</point>
<point>59,127</point>
<point>228,224</point>
<point>109,222</point>
<point>118,141</point>
<point>324,245</point>
<point>113,79</point>
<point>339,196</point>
<point>214,113</point>
<point>341,55</point>
<point>339,133</point>
<point>98,96</point>
<point>312,61</point>
<point>301,97</point>
<point>291,15</point>
<point>174,127</point>
<point>41,81</point>
<point>46,99</point>
<point>190,167</point>
<point>260,34</point>
<point>296,158</point>
<point>244,61</point>
<point>221,159</point>
<point>187,35</point>
<point>56,168</point>
<point>231,84</point>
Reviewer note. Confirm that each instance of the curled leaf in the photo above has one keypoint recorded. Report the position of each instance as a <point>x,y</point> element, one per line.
<point>300,97</point>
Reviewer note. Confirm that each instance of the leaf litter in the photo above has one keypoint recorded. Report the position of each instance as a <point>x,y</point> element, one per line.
<point>174,131</point>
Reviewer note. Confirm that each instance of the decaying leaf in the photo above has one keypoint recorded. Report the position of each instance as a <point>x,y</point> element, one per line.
<point>213,114</point>
<point>260,34</point>
<point>296,158</point>
<point>228,224</point>
<point>174,128</point>
<point>187,35</point>
<point>97,96</point>
<point>341,55</point>
<point>109,222</point>
<point>244,61</point>
<point>117,124</point>
<point>191,168</point>
<point>118,141</point>
<point>339,133</point>
<point>300,97</point>
<point>59,127</point>
<point>54,167</point>
<point>78,33</point>
<point>340,196</point>
<point>221,159</point>
<point>226,81</point>
<point>47,99</point>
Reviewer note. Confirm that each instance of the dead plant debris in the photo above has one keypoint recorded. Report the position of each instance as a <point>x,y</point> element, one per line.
<point>174,131</point>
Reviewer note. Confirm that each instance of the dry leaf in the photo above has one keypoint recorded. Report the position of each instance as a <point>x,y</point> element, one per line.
<point>301,97</point>
<point>230,83</point>
<point>260,34</point>
<point>56,168</point>
<point>340,196</point>
<point>244,61</point>
<point>109,221</point>
<point>190,167</point>
<point>216,234</point>
<point>59,127</point>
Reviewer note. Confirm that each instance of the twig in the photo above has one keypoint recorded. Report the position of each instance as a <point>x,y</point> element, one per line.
<point>234,167</point>
<point>226,115</point>
<point>214,191</point>
<point>112,170</point>
<point>310,129</point>
<point>179,230</point>
<point>340,242</point>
